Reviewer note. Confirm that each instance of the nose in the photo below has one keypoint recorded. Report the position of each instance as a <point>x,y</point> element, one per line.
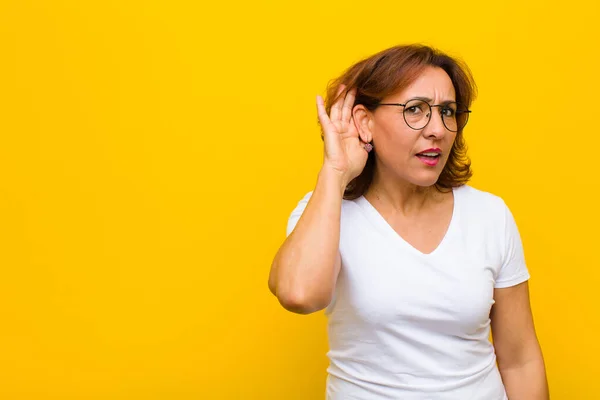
<point>435,128</point>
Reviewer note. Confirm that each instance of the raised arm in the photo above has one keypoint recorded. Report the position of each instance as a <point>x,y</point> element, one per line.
<point>305,269</point>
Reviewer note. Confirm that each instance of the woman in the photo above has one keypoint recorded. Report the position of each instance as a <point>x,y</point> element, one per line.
<point>412,266</point>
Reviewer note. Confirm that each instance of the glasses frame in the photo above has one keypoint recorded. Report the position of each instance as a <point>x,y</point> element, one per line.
<point>431,106</point>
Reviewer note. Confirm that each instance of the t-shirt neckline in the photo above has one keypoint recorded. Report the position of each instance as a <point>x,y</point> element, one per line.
<point>381,223</point>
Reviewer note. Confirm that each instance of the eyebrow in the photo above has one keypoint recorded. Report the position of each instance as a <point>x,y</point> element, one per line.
<point>429,100</point>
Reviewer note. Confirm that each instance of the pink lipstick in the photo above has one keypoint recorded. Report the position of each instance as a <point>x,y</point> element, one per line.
<point>430,157</point>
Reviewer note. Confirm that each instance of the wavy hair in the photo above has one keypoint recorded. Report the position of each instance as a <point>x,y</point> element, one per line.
<point>390,71</point>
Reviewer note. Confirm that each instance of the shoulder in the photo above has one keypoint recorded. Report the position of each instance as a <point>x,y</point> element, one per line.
<point>298,209</point>
<point>486,220</point>
<point>304,199</point>
<point>347,213</point>
<point>481,210</point>
<point>301,204</point>
<point>476,201</point>
<point>349,207</point>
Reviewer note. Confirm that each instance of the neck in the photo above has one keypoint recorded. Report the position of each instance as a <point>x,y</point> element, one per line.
<point>400,195</point>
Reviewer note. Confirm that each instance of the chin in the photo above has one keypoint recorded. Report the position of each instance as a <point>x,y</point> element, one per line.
<point>425,178</point>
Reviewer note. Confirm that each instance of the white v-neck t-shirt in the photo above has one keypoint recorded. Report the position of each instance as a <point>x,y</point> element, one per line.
<point>407,325</point>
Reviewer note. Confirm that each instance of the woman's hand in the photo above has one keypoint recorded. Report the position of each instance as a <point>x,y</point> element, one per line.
<point>345,153</point>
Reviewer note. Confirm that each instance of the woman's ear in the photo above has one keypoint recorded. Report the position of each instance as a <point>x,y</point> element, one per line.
<point>362,120</point>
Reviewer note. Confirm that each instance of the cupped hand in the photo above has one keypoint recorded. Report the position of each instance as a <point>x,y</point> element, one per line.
<point>345,152</point>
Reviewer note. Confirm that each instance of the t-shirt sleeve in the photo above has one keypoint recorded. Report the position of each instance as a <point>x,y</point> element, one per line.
<point>513,269</point>
<point>296,213</point>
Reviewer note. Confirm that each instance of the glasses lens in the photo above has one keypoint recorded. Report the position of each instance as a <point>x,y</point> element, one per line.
<point>417,114</point>
<point>455,116</point>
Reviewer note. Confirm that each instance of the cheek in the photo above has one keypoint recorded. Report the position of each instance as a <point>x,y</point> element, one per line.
<point>450,138</point>
<point>396,139</point>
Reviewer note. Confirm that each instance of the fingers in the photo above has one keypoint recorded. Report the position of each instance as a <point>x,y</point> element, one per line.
<point>322,113</point>
<point>340,114</point>
<point>348,104</point>
<point>336,108</point>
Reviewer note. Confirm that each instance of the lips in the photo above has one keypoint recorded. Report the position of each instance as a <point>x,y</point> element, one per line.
<point>430,156</point>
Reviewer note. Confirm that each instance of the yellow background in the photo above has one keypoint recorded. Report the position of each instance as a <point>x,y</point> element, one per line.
<point>150,154</point>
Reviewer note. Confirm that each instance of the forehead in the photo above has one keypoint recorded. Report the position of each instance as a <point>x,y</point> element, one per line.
<point>433,83</point>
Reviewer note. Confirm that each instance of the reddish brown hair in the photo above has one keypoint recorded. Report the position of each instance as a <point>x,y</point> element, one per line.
<point>392,70</point>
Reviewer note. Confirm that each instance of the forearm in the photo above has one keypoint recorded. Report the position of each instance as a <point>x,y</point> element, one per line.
<point>304,270</point>
<point>526,381</point>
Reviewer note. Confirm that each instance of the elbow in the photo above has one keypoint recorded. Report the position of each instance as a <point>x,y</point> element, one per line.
<point>300,303</point>
<point>297,297</point>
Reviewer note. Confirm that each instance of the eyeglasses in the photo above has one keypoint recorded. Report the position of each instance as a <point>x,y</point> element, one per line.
<point>417,114</point>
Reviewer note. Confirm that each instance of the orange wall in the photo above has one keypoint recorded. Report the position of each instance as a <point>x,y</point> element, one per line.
<point>151,152</point>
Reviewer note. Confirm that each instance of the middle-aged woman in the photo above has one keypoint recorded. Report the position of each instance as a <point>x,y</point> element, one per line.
<point>413,266</point>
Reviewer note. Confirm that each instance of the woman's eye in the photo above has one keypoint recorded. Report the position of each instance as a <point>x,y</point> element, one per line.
<point>414,109</point>
<point>448,112</point>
